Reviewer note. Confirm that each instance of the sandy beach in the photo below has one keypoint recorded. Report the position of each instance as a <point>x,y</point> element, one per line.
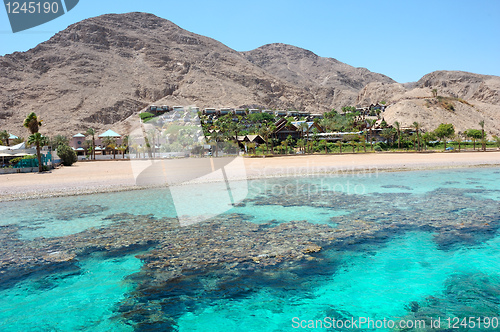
<point>104,176</point>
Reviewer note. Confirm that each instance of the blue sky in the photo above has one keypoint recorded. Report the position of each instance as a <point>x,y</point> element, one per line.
<point>402,39</point>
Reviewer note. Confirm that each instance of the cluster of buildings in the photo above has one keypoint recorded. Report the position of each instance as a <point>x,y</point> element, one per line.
<point>77,142</point>
<point>214,112</point>
<point>304,126</point>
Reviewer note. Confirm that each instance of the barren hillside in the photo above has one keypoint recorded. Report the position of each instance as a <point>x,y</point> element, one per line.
<point>463,99</point>
<point>102,71</point>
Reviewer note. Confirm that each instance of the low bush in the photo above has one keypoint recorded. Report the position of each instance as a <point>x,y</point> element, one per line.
<point>67,155</point>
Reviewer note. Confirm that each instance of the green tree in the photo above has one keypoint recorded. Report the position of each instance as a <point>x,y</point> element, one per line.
<point>67,155</point>
<point>301,144</point>
<point>215,138</point>
<point>483,141</point>
<point>474,134</point>
<point>371,123</point>
<point>388,134</point>
<point>497,141</point>
<point>91,132</point>
<point>458,138</point>
<point>110,142</point>
<point>32,122</point>
<point>398,129</point>
<point>4,137</point>
<point>416,125</point>
<point>265,131</point>
<point>444,131</point>
<point>58,140</point>
<point>39,141</point>
<point>18,140</point>
<point>304,129</point>
<point>428,136</point>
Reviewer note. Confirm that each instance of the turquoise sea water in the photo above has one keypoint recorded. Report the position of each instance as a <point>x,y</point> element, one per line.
<point>416,245</point>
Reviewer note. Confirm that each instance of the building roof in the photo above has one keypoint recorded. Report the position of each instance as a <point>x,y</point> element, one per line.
<point>255,138</point>
<point>110,133</point>
<point>12,136</point>
<point>79,135</point>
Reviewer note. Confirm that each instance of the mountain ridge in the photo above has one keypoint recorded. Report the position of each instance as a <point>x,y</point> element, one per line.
<point>101,71</point>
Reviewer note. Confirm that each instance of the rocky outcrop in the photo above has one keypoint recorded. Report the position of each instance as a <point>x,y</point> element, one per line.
<point>463,99</point>
<point>102,71</point>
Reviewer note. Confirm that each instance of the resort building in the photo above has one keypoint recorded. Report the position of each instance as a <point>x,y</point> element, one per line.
<point>11,139</point>
<point>78,143</point>
<point>285,129</point>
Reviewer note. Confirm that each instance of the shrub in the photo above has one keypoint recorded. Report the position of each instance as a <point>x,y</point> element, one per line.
<point>146,116</point>
<point>381,146</point>
<point>15,160</point>
<point>67,155</point>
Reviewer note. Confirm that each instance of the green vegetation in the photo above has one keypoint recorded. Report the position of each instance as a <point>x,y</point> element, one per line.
<point>444,131</point>
<point>91,132</point>
<point>18,159</point>
<point>473,134</point>
<point>33,124</point>
<point>4,137</point>
<point>58,140</point>
<point>67,155</point>
<point>146,116</point>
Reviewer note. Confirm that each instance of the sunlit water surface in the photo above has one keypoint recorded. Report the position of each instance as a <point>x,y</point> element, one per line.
<point>395,277</point>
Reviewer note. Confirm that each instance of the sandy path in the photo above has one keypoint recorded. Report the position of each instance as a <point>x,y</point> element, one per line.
<point>102,176</point>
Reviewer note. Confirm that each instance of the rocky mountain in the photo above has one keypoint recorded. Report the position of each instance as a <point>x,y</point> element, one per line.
<point>461,98</point>
<point>327,78</point>
<point>100,72</point>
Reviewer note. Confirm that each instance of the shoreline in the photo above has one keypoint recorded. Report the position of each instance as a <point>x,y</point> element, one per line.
<point>95,177</point>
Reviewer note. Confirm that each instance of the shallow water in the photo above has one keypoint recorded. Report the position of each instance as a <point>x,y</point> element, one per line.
<point>402,245</point>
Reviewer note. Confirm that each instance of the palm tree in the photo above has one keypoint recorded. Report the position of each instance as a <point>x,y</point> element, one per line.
<point>38,140</point>
<point>58,140</point>
<point>265,132</point>
<point>110,142</point>
<point>301,144</point>
<point>416,125</point>
<point>91,132</point>
<point>122,148</point>
<point>283,147</point>
<point>135,147</point>
<point>251,146</point>
<point>87,145</point>
<point>371,123</point>
<point>458,138</point>
<point>398,129</point>
<point>304,128</point>
<point>483,142</point>
<point>18,140</point>
<point>4,137</point>
<point>340,146</point>
<point>215,137</point>
<point>324,143</point>
<point>32,123</point>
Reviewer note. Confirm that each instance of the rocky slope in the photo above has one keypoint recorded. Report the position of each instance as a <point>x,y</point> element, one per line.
<point>464,99</point>
<point>326,78</point>
<point>101,71</point>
